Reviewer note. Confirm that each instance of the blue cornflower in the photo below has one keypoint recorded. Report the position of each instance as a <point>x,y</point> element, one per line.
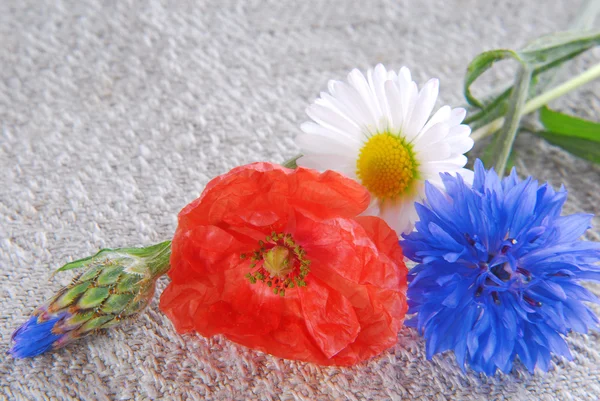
<point>498,272</point>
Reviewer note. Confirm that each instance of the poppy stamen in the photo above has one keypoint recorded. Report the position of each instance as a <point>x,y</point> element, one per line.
<point>281,263</point>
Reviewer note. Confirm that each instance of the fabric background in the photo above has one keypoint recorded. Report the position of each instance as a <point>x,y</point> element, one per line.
<point>115,114</point>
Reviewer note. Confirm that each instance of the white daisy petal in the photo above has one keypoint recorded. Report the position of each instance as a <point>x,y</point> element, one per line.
<point>434,179</point>
<point>467,175</point>
<point>460,145</point>
<point>310,127</point>
<point>377,78</point>
<point>378,126</point>
<point>337,163</point>
<point>431,169</point>
<point>354,102</point>
<point>359,82</point>
<point>448,165</point>
<point>372,209</point>
<point>457,116</point>
<point>459,160</point>
<point>432,135</point>
<point>459,131</point>
<point>440,116</point>
<point>348,110</point>
<point>332,120</point>
<point>405,74</point>
<point>404,83</point>
<point>395,102</point>
<point>331,103</point>
<point>423,107</point>
<point>399,216</point>
<point>331,86</point>
<point>409,99</point>
<point>412,217</point>
<point>320,144</point>
<point>440,151</point>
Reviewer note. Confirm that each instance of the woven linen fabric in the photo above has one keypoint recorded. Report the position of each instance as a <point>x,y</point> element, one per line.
<point>115,114</point>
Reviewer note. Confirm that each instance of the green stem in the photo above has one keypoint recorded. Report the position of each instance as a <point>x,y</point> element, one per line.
<point>513,118</point>
<point>563,89</point>
<point>539,101</point>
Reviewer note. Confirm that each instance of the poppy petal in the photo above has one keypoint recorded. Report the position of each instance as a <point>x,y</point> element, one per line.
<point>330,317</point>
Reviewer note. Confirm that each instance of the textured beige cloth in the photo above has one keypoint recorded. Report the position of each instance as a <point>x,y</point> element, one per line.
<point>115,114</point>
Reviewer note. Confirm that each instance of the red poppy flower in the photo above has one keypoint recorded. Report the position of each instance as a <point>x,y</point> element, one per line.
<point>277,260</point>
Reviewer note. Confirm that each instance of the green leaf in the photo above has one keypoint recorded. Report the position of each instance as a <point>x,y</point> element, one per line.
<point>291,163</point>
<point>494,109</point>
<point>575,135</point>
<point>577,146</point>
<point>546,51</point>
<point>85,261</point>
<point>153,260</point>
<point>480,64</point>
<point>564,124</point>
<point>541,55</point>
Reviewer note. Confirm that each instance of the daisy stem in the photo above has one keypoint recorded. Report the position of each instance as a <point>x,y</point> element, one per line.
<point>538,101</point>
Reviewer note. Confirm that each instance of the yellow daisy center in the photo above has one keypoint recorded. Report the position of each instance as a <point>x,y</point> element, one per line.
<point>386,165</point>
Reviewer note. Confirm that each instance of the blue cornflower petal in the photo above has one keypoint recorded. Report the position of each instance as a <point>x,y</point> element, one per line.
<point>35,337</point>
<point>498,272</point>
<point>570,228</point>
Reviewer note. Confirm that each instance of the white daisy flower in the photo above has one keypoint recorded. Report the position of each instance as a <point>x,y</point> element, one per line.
<point>378,131</point>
